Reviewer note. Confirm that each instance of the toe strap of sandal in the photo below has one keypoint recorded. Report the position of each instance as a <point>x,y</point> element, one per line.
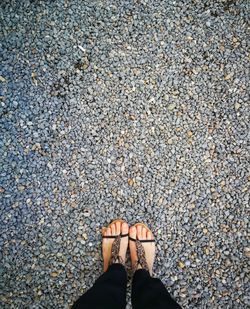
<point>115,257</point>
<point>115,236</point>
<point>141,257</point>
<point>143,240</point>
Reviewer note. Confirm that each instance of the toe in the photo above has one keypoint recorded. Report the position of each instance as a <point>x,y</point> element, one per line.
<point>108,232</point>
<point>150,235</point>
<point>144,233</point>
<point>139,231</point>
<point>113,229</point>
<point>132,232</point>
<point>132,246</point>
<point>118,228</point>
<point>124,228</point>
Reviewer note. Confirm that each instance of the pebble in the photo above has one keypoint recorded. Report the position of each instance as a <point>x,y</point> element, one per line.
<point>171,106</point>
<point>237,106</point>
<point>247,252</point>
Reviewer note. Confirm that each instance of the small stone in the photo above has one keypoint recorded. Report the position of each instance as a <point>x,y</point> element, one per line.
<point>247,252</point>
<point>41,221</point>
<point>15,205</point>
<point>187,263</point>
<point>189,133</point>
<point>85,236</point>
<point>222,183</point>
<point>205,231</point>
<point>132,117</point>
<point>50,166</point>
<point>171,106</point>
<point>228,76</point>
<point>191,206</point>
<point>73,204</point>
<point>21,188</point>
<point>181,264</point>
<point>222,48</point>
<point>131,181</point>
<point>85,63</point>
<point>54,274</point>
<point>2,79</point>
<point>237,106</point>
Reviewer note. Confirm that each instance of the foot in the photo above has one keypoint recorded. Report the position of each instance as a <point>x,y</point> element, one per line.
<point>114,229</point>
<point>141,233</point>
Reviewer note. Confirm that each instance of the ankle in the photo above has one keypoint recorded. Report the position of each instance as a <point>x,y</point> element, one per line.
<point>117,260</point>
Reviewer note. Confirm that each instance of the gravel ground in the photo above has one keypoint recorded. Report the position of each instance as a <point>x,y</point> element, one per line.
<point>132,109</point>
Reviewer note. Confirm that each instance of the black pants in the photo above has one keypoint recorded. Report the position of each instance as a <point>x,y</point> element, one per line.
<point>109,292</point>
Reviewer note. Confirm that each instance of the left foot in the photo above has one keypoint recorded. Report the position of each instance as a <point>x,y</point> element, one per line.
<point>114,229</point>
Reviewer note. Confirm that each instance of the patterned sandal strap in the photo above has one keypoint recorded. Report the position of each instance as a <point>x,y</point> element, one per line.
<point>115,257</point>
<point>114,236</point>
<point>143,240</point>
<point>141,257</point>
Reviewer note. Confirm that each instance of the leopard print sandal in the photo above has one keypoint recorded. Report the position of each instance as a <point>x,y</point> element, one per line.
<point>140,252</point>
<point>115,257</point>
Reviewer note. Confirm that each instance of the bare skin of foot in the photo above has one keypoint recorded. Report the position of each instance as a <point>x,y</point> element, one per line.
<point>115,229</point>
<point>141,233</point>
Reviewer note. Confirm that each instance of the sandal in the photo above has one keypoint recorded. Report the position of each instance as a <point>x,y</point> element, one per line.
<point>140,251</point>
<point>115,257</point>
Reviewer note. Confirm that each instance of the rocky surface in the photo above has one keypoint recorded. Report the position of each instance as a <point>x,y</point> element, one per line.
<point>132,109</point>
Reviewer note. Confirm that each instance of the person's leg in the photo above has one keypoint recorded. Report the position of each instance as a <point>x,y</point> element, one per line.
<point>147,292</point>
<point>150,293</point>
<point>109,291</point>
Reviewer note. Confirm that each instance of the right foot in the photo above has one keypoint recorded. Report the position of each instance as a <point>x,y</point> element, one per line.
<point>114,229</point>
<point>141,233</point>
